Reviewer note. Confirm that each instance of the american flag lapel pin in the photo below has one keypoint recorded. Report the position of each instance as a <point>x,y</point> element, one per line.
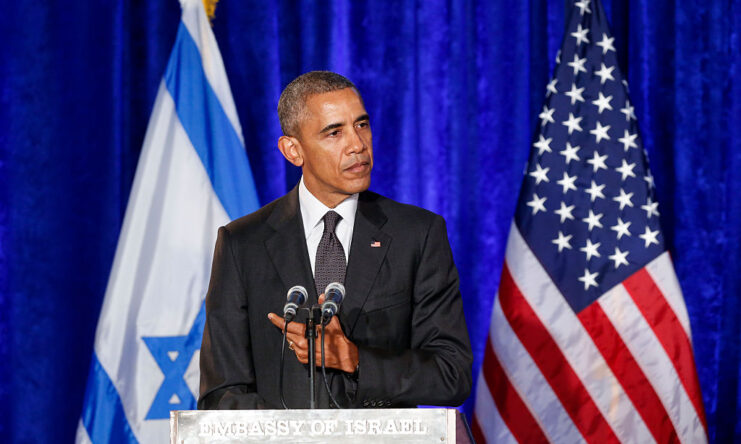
<point>375,244</point>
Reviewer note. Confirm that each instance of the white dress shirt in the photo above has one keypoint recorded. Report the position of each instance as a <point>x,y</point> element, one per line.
<point>312,214</point>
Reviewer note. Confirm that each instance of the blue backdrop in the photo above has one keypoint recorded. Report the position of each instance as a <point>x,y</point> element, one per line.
<point>453,90</point>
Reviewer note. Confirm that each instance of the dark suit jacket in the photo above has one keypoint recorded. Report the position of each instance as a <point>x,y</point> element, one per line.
<point>402,309</point>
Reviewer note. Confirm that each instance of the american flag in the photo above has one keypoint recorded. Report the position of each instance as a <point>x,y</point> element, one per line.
<point>589,338</point>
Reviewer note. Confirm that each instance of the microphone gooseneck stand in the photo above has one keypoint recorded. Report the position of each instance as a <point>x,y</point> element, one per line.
<point>294,299</point>
<point>324,373</point>
<point>282,362</point>
<point>315,317</point>
<point>311,321</point>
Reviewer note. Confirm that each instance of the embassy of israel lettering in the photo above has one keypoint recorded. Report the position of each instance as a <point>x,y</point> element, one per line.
<point>310,426</point>
<point>326,427</point>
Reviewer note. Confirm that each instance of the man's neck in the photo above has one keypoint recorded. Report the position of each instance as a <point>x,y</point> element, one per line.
<point>330,200</point>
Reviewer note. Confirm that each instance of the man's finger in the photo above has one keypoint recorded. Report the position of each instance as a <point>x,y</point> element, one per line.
<point>299,341</point>
<point>333,326</point>
<point>296,335</point>
<point>276,320</point>
<point>294,327</point>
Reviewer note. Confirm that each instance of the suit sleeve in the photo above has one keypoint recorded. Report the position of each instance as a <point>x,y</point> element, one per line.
<point>227,371</point>
<point>436,370</point>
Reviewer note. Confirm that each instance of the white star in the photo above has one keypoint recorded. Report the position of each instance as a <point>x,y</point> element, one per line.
<point>600,132</point>
<point>583,5</point>
<point>578,64</point>
<point>626,169</point>
<point>537,204</point>
<point>546,115</point>
<point>621,228</point>
<point>595,191</point>
<point>562,241</point>
<point>619,257</point>
<point>580,35</point>
<point>606,44</point>
<point>589,279</point>
<point>603,103</point>
<point>575,94</point>
<point>598,161</point>
<point>629,112</point>
<point>649,178</point>
<point>573,123</point>
<point>651,208</point>
<point>565,212</point>
<point>570,152</point>
<point>624,199</point>
<point>625,84</point>
<point>540,174</point>
<point>628,140</point>
<point>649,237</point>
<point>558,56</point>
<point>591,249</point>
<point>604,73</point>
<point>543,144</point>
<point>551,88</point>
<point>593,220</point>
<point>567,182</point>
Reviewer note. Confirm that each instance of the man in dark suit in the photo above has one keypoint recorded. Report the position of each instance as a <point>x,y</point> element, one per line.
<point>401,337</point>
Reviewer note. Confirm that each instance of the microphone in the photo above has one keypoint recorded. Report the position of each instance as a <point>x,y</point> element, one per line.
<point>295,298</point>
<point>333,295</point>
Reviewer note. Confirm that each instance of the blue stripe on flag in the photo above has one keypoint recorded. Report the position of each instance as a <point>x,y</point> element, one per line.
<point>209,129</point>
<point>103,413</point>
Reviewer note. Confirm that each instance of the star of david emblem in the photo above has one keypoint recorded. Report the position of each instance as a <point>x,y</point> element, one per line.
<point>173,355</point>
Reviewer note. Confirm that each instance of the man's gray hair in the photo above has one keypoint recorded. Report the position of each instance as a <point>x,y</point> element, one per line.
<point>292,102</point>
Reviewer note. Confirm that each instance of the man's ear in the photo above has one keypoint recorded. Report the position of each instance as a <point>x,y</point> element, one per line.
<point>290,147</point>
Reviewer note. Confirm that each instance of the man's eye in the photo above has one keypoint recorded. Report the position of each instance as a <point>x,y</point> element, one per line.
<point>363,124</point>
<point>334,133</point>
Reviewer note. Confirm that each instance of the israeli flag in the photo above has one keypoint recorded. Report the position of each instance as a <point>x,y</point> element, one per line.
<point>193,176</point>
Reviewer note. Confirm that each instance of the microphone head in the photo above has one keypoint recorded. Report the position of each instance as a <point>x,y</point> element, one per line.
<point>333,295</point>
<point>297,294</point>
<point>335,291</point>
<point>295,298</point>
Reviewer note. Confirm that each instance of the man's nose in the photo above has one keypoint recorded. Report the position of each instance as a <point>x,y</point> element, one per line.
<point>356,143</point>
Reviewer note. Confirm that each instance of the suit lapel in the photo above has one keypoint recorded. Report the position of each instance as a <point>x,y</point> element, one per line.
<point>287,247</point>
<point>368,249</point>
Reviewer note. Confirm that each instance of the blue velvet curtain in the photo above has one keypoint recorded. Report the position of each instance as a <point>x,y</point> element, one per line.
<point>453,89</point>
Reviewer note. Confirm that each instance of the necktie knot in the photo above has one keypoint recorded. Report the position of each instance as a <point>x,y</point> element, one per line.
<point>330,221</point>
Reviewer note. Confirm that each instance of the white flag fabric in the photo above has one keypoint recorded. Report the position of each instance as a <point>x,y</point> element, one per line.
<point>193,176</point>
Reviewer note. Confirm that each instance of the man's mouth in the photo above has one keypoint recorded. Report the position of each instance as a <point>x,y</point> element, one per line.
<point>358,167</point>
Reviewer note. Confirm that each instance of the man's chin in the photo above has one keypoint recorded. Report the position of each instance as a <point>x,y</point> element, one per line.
<point>358,185</point>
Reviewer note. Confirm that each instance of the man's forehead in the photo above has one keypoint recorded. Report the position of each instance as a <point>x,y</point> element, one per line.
<point>333,104</point>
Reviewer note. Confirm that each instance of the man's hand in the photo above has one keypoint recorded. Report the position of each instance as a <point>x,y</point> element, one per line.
<point>339,352</point>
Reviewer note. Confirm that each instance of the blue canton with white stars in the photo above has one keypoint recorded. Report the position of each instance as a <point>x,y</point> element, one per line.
<point>587,206</point>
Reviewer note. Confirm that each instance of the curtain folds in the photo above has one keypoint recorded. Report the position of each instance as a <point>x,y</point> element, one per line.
<point>453,90</point>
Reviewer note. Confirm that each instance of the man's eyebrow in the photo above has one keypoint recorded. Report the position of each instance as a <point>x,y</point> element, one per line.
<point>330,127</point>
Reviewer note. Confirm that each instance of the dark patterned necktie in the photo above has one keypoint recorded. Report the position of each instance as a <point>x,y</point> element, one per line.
<point>330,264</point>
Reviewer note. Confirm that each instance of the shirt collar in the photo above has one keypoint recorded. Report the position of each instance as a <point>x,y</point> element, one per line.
<point>313,210</point>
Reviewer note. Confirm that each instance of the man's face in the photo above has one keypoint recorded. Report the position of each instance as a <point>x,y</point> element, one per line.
<point>336,146</point>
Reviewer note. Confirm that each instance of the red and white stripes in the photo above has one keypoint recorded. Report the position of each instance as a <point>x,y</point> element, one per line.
<point>622,370</point>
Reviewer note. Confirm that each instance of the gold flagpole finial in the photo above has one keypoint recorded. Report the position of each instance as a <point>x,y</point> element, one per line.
<point>210,6</point>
